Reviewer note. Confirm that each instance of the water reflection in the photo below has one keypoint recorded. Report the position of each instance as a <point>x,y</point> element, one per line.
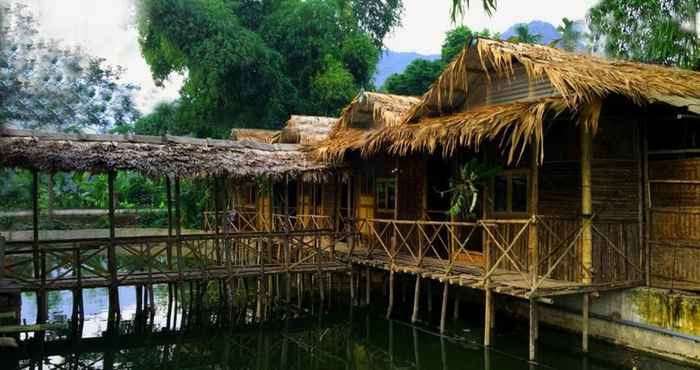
<point>328,339</point>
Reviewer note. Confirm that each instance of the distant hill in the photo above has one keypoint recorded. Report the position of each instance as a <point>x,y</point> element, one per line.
<point>395,62</point>
<point>547,30</point>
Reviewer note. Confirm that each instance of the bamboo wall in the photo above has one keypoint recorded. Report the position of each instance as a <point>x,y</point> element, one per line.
<point>675,224</point>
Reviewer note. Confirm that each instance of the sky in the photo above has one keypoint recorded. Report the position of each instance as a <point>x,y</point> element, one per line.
<point>106,28</point>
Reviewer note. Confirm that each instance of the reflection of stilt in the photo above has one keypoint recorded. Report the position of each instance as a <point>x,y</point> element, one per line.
<point>443,353</point>
<point>455,313</point>
<point>368,285</point>
<point>487,359</point>
<point>391,344</point>
<point>416,348</point>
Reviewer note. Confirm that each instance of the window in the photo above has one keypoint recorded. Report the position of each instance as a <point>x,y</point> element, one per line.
<point>250,194</point>
<point>386,195</point>
<point>510,192</point>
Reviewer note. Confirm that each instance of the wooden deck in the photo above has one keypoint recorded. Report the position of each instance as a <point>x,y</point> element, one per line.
<point>468,275</point>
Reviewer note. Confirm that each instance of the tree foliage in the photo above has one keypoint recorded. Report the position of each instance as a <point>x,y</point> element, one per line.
<point>522,34</point>
<point>251,63</point>
<point>571,37</point>
<point>459,8</point>
<point>44,84</point>
<point>653,31</point>
<point>420,73</point>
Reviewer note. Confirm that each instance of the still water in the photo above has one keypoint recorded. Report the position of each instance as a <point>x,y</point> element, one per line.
<point>337,338</point>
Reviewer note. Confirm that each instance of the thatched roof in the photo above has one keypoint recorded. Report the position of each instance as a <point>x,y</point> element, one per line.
<point>255,134</point>
<point>306,129</point>
<point>579,84</point>
<point>368,112</point>
<point>155,155</point>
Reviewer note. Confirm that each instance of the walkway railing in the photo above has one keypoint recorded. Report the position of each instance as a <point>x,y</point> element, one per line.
<point>65,264</point>
<point>234,221</point>
<point>498,249</point>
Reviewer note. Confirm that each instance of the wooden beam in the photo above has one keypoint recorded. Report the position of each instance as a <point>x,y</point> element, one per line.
<point>586,203</point>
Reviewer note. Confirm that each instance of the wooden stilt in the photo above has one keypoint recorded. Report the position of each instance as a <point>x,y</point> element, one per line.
<point>584,321</point>
<point>352,287</point>
<point>368,287</point>
<point>488,317</point>
<point>416,300</point>
<point>586,204</point>
<point>455,313</point>
<point>429,291</point>
<point>443,312</point>
<point>533,330</point>
<point>390,306</point>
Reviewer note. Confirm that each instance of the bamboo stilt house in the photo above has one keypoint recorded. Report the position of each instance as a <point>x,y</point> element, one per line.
<point>571,134</point>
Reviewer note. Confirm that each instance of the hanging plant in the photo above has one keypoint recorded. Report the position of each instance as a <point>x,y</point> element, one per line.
<point>466,185</point>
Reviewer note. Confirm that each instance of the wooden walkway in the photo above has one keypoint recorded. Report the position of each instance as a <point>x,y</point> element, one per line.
<point>468,275</point>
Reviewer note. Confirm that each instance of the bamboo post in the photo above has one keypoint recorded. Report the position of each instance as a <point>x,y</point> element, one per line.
<point>112,252</point>
<point>368,287</point>
<point>533,330</point>
<point>2,257</point>
<point>352,287</point>
<point>178,228</point>
<point>169,198</point>
<point>390,306</point>
<point>585,322</point>
<point>443,312</point>
<point>488,317</point>
<point>646,203</point>
<point>533,206</point>
<point>586,203</point>
<point>416,300</point>
<point>35,222</point>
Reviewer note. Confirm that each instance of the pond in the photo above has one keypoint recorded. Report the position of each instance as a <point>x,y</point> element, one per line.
<point>336,338</point>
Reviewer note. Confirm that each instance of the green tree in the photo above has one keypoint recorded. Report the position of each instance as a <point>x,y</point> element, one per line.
<point>46,85</point>
<point>250,63</point>
<point>653,31</point>
<point>456,39</point>
<point>420,73</point>
<point>522,34</point>
<point>571,37</point>
<point>415,79</point>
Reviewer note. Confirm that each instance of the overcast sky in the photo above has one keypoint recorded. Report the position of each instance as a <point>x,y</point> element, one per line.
<point>105,28</point>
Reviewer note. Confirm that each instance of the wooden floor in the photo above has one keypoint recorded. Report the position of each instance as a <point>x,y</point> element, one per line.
<point>467,275</point>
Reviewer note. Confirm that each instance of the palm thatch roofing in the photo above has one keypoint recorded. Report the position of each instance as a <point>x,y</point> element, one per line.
<point>255,134</point>
<point>368,112</point>
<point>579,83</point>
<point>306,130</point>
<point>156,156</point>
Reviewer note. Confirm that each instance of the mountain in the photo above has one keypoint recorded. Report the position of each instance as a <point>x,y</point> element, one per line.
<point>395,62</point>
<point>547,30</point>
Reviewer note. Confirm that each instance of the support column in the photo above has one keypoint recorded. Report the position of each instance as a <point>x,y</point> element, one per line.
<point>533,209</point>
<point>112,253</point>
<point>488,318</point>
<point>586,203</point>
<point>368,287</point>
<point>586,307</point>
<point>533,330</point>
<point>416,300</point>
<point>390,306</point>
<point>443,313</point>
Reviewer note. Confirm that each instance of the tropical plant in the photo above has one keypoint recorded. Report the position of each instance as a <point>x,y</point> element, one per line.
<point>653,31</point>
<point>522,34</point>
<point>466,185</point>
<point>459,7</point>
<point>571,37</point>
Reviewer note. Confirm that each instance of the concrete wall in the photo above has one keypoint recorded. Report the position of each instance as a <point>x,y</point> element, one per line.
<point>653,320</point>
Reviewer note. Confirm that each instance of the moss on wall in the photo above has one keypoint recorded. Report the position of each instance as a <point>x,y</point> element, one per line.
<point>676,311</point>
